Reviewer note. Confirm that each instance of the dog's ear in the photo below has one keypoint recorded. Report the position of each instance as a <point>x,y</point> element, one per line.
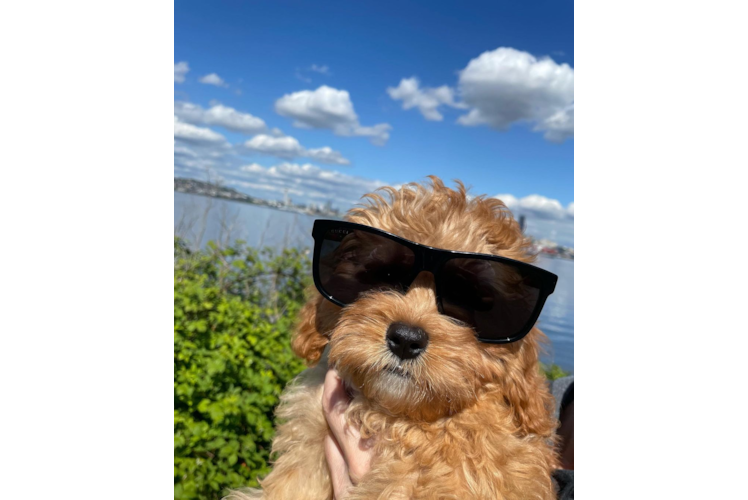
<point>526,389</point>
<point>308,342</point>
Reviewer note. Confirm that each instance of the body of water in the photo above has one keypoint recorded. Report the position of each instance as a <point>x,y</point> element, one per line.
<point>199,219</point>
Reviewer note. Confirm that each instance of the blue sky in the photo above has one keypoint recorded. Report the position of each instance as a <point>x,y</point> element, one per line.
<point>492,103</point>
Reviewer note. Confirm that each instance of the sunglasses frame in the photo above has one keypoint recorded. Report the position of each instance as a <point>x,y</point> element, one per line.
<point>433,260</point>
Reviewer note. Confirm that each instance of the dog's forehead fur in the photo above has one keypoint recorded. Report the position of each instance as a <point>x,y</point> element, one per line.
<point>438,216</point>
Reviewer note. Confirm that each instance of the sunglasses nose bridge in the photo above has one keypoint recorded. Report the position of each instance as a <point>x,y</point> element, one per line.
<point>429,260</point>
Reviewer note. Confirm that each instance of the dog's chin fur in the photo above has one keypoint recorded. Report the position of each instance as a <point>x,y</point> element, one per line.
<point>464,419</point>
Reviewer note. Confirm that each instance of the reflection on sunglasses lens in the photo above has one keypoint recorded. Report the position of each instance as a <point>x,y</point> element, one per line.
<point>354,262</point>
<point>496,299</point>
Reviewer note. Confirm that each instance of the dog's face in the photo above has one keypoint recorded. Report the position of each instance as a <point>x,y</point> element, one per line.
<point>397,349</point>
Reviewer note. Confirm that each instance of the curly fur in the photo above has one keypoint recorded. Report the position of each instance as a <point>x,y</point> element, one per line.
<point>463,420</point>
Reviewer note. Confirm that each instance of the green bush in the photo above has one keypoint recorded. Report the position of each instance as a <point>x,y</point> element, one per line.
<point>233,314</point>
<point>552,372</point>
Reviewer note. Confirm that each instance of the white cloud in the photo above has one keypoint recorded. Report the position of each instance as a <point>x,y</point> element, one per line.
<point>198,149</point>
<point>541,204</point>
<point>327,155</point>
<point>307,182</point>
<point>325,70</point>
<point>283,147</point>
<point>325,107</point>
<point>538,206</point>
<point>509,200</point>
<point>190,133</point>
<point>303,78</point>
<point>501,88</point>
<point>180,71</point>
<point>289,148</point>
<point>427,100</point>
<point>213,79</point>
<point>507,86</point>
<point>252,167</point>
<point>220,115</point>
<point>329,108</point>
<point>199,157</point>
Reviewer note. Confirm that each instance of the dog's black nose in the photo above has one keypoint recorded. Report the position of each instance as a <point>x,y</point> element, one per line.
<point>405,341</point>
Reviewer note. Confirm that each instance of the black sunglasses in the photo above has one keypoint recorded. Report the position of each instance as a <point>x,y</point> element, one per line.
<point>500,298</point>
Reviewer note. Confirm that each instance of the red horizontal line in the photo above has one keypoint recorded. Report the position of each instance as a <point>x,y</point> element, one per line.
<point>660,386</point>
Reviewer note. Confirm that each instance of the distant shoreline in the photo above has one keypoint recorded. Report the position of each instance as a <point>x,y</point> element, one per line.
<point>201,188</point>
<point>264,205</point>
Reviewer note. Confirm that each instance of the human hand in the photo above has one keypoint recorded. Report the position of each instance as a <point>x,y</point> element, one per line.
<point>348,455</point>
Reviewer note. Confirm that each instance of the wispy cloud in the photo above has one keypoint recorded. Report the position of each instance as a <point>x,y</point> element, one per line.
<point>306,182</point>
<point>289,148</point>
<point>427,100</point>
<point>324,69</point>
<point>301,77</point>
<point>180,71</point>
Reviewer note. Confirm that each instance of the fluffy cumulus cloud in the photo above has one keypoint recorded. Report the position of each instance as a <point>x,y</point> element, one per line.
<point>198,135</point>
<point>507,86</point>
<point>221,116</point>
<point>427,100</point>
<point>537,206</point>
<point>289,148</point>
<point>213,79</point>
<point>304,182</point>
<point>501,88</point>
<point>282,147</point>
<point>329,108</point>
<point>180,71</point>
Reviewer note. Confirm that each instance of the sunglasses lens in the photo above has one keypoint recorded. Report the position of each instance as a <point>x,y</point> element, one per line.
<point>496,299</point>
<point>352,262</point>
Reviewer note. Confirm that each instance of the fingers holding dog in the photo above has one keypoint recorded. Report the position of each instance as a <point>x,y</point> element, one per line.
<point>345,442</point>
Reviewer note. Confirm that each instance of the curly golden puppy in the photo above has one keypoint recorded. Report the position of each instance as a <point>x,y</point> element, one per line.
<point>439,348</point>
